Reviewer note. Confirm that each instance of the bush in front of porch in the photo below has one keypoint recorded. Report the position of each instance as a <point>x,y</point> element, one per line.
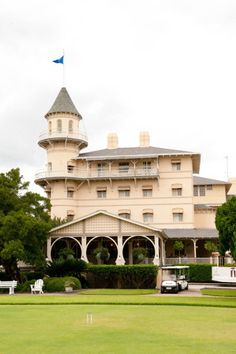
<point>122,277</point>
<point>200,273</point>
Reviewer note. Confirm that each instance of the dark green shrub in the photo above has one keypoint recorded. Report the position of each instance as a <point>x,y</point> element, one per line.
<point>123,277</point>
<point>67,267</point>
<point>52,285</point>
<point>31,275</point>
<point>200,273</point>
<point>25,287</point>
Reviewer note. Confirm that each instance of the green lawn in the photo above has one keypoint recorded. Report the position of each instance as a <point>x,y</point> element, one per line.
<point>219,292</point>
<point>118,291</point>
<point>116,329</point>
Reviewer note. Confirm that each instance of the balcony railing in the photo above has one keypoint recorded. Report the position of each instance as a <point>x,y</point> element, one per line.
<point>115,173</point>
<point>75,135</point>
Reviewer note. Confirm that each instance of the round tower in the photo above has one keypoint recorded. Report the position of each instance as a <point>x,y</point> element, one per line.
<point>62,141</point>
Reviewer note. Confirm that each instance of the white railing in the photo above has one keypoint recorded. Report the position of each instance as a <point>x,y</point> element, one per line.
<point>98,174</point>
<point>191,260</point>
<point>63,135</point>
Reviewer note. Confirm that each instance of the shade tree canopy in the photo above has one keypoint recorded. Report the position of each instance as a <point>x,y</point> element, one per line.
<point>226,225</point>
<point>24,224</point>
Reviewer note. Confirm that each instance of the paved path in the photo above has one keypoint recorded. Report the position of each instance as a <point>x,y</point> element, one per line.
<point>195,290</point>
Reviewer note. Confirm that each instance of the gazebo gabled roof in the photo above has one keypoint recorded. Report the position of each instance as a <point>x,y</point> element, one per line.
<point>102,223</point>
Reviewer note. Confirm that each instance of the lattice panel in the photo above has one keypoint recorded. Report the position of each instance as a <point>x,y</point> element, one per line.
<point>127,227</point>
<point>75,229</point>
<point>101,224</point>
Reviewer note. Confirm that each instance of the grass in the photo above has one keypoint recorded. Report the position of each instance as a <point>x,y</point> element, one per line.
<point>117,299</point>
<point>219,292</point>
<point>118,292</point>
<point>116,329</point>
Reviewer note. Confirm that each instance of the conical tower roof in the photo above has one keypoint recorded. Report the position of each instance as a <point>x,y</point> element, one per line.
<point>63,104</point>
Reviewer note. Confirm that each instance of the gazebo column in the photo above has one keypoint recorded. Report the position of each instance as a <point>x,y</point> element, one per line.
<point>130,250</point>
<point>195,247</point>
<point>156,259</point>
<point>84,249</point>
<point>49,249</point>
<point>120,259</point>
<point>163,251</point>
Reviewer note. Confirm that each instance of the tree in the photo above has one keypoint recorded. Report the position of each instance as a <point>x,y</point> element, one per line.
<point>178,246</point>
<point>24,224</point>
<point>210,246</point>
<point>226,225</point>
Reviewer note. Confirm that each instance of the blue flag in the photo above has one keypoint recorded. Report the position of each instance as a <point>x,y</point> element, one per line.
<point>59,61</point>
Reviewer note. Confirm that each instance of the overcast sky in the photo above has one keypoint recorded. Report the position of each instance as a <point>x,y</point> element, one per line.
<point>168,67</point>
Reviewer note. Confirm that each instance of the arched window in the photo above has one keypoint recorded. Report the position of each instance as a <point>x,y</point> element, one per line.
<point>59,126</point>
<point>70,126</point>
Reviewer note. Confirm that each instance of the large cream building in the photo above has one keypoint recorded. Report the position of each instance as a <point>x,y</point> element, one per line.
<point>124,198</point>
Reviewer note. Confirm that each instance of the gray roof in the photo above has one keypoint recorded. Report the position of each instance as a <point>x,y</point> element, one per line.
<point>63,104</point>
<point>197,180</point>
<point>129,152</point>
<point>191,233</point>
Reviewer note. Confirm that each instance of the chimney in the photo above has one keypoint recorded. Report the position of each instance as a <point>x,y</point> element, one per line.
<point>112,141</point>
<point>144,139</point>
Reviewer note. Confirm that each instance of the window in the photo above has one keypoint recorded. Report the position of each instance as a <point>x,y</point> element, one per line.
<point>124,215</point>
<point>101,168</point>
<point>59,126</point>
<point>50,127</point>
<point>123,167</point>
<point>70,126</point>
<point>209,187</point>
<point>147,217</point>
<point>49,166</point>
<point>70,215</point>
<point>176,192</point>
<point>147,167</point>
<point>177,217</point>
<point>176,165</point>
<point>70,192</point>
<point>102,193</point>
<point>70,168</point>
<point>147,192</point>
<point>124,193</point>
<point>199,191</point>
<point>48,192</point>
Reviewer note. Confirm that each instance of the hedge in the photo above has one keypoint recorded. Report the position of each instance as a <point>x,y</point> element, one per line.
<point>200,273</point>
<point>122,277</point>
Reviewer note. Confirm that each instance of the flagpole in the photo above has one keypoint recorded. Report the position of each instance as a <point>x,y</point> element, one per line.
<point>63,72</point>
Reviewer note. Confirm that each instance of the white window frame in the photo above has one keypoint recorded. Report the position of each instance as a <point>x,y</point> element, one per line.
<point>148,217</point>
<point>102,193</point>
<point>178,217</point>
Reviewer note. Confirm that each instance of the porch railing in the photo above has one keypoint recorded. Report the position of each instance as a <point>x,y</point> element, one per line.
<point>198,260</point>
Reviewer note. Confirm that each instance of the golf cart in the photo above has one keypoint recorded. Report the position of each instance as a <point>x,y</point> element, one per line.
<point>174,278</point>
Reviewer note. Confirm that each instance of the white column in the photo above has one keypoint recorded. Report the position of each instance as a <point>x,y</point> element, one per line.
<point>130,248</point>
<point>156,259</point>
<point>194,248</point>
<point>84,249</point>
<point>49,248</point>
<point>120,259</point>
<point>163,251</point>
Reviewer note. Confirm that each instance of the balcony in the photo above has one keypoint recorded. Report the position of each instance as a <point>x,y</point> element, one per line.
<point>96,174</point>
<point>46,136</point>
